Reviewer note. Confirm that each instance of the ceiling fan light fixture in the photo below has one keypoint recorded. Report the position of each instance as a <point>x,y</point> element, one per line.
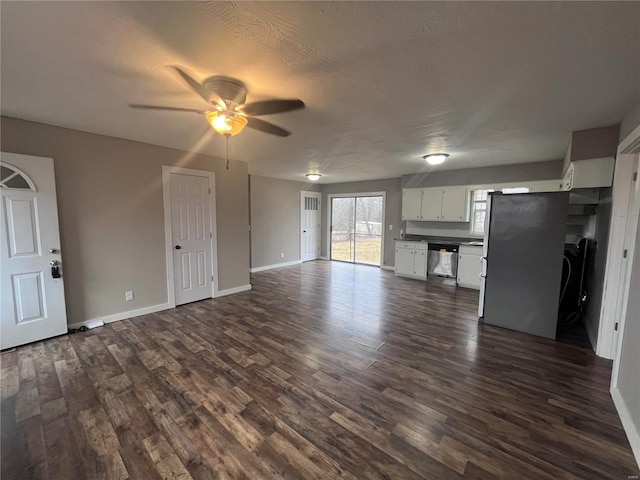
<point>226,124</point>
<point>436,158</point>
<point>313,176</point>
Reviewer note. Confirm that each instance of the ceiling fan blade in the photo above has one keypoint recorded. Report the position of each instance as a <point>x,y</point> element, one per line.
<point>266,127</point>
<point>208,96</point>
<point>271,106</point>
<point>171,109</point>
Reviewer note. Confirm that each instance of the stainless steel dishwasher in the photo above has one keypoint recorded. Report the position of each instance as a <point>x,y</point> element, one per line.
<point>442,260</point>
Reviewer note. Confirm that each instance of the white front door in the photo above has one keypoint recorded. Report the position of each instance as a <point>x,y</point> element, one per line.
<point>310,226</point>
<point>191,235</point>
<point>33,305</point>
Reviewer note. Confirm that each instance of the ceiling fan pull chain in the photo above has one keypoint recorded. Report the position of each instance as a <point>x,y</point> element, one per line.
<point>227,139</point>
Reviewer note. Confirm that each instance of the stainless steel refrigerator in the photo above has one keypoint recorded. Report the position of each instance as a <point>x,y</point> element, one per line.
<point>522,261</point>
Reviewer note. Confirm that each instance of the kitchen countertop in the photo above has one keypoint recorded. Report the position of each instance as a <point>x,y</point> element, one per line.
<point>445,240</point>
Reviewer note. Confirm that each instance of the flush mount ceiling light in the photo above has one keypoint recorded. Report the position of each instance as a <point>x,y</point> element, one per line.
<point>436,158</point>
<point>313,176</point>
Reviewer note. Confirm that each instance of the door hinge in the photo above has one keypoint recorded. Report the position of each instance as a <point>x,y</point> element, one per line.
<point>210,235</point>
<point>212,278</point>
<point>615,328</point>
<point>209,190</point>
<point>635,176</point>
<point>624,254</point>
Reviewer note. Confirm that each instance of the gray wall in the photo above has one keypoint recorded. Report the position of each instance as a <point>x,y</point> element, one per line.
<point>599,242</point>
<point>474,176</point>
<point>112,216</point>
<point>592,143</point>
<point>393,211</point>
<point>275,219</point>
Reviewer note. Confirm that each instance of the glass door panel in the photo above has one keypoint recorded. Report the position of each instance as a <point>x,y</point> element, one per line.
<point>368,230</point>
<point>342,229</point>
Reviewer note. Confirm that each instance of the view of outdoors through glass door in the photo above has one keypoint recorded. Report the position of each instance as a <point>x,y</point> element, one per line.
<point>356,229</point>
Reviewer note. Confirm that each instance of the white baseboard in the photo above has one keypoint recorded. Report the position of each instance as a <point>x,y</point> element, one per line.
<point>275,265</point>
<point>627,423</point>
<point>96,322</point>
<point>231,291</point>
<point>323,258</point>
<point>136,313</point>
<point>387,267</point>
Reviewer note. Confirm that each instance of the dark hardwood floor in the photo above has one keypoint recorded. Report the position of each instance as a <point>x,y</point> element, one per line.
<point>323,370</point>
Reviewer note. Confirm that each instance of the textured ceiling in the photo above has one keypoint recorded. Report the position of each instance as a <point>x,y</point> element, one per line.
<point>385,83</point>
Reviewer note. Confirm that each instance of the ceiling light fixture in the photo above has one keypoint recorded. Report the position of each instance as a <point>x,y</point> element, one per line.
<point>436,158</point>
<point>226,123</point>
<point>313,176</point>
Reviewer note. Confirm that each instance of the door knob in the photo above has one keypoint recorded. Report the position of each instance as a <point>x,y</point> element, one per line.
<point>178,247</point>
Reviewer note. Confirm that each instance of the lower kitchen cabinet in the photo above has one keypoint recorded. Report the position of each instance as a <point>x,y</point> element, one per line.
<point>411,259</point>
<point>469,266</point>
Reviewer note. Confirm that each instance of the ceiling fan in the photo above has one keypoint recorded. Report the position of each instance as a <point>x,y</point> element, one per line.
<point>229,113</point>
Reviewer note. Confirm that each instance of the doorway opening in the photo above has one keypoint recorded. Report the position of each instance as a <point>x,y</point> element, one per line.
<point>356,225</point>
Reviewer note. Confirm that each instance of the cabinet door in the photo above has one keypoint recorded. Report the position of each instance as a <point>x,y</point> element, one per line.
<point>455,205</point>
<point>431,204</point>
<point>404,261</point>
<point>420,263</point>
<point>411,200</point>
<point>469,268</point>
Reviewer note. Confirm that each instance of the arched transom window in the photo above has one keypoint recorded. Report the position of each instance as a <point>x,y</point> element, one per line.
<point>11,177</point>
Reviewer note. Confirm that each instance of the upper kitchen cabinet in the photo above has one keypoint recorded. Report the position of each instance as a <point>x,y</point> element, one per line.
<point>431,204</point>
<point>448,204</point>
<point>411,203</point>
<point>455,204</point>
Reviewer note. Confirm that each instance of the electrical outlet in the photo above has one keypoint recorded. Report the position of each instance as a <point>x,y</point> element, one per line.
<point>281,254</point>
<point>390,227</point>
<point>128,296</point>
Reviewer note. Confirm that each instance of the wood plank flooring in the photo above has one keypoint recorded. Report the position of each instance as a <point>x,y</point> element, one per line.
<point>322,371</point>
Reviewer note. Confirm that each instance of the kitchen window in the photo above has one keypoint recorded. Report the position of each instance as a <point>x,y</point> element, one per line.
<point>478,211</point>
<point>479,206</point>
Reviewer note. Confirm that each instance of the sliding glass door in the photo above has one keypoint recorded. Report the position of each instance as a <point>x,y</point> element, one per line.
<point>356,229</point>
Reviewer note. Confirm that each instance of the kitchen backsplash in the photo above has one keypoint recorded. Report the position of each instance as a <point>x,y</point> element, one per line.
<point>440,229</point>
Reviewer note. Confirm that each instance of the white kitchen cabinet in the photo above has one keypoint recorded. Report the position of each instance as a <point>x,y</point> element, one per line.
<point>411,203</point>
<point>431,204</point>
<point>411,259</point>
<point>420,261</point>
<point>455,205</point>
<point>594,172</point>
<point>441,204</point>
<point>469,266</point>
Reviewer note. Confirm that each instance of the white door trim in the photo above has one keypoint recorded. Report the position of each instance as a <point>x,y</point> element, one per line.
<point>361,194</point>
<point>318,195</point>
<point>614,295</point>
<point>166,197</point>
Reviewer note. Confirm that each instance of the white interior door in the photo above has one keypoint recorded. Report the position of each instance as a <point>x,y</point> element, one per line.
<point>310,226</point>
<point>192,237</point>
<point>33,305</point>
